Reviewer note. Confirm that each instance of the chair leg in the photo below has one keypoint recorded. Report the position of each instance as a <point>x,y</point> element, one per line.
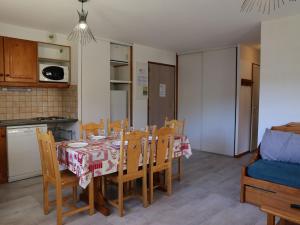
<point>145,201</point>
<point>151,187</point>
<point>74,193</point>
<point>169,181</point>
<point>103,185</point>
<point>59,205</point>
<point>179,168</point>
<point>132,187</point>
<point>121,199</point>
<point>91,197</point>
<point>46,197</point>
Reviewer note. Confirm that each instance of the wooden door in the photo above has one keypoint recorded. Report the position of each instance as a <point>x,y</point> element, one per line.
<point>255,105</point>
<point>161,101</point>
<point>3,156</point>
<point>1,60</point>
<point>20,57</point>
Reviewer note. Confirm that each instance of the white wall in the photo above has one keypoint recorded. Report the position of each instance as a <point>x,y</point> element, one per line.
<point>280,73</point>
<point>144,54</point>
<point>247,56</point>
<point>190,96</point>
<point>207,96</point>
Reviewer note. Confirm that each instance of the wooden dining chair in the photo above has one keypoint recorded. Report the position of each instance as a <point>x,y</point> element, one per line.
<point>59,179</point>
<point>117,126</point>
<point>178,125</point>
<point>130,153</point>
<point>92,129</point>
<point>161,152</point>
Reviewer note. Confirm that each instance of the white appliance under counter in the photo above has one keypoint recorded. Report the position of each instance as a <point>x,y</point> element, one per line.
<point>23,153</point>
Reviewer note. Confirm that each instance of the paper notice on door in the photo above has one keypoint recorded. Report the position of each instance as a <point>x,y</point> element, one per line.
<point>162,90</point>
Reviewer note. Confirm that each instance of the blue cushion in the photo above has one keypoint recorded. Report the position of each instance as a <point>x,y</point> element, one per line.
<point>274,144</point>
<point>276,172</point>
<point>280,146</point>
<point>292,152</point>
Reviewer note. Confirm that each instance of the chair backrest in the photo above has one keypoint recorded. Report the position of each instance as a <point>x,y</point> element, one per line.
<point>50,167</point>
<point>162,147</point>
<point>178,125</point>
<point>92,129</point>
<point>117,126</point>
<point>135,145</point>
<point>39,135</point>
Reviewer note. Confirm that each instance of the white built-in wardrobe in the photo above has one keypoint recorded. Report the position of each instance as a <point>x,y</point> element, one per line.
<point>207,99</point>
<point>94,81</point>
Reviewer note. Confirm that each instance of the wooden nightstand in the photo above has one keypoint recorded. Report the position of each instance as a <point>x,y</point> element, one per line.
<point>288,216</point>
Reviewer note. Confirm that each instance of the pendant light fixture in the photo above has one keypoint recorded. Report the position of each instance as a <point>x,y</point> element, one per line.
<point>81,32</point>
<point>263,6</point>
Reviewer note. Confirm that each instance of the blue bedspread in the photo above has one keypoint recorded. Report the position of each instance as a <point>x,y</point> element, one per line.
<point>277,172</point>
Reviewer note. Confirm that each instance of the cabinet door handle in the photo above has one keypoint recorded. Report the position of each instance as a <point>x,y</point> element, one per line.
<point>7,75</point>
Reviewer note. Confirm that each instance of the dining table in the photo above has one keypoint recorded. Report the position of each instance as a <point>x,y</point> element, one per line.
<point>99,157</point>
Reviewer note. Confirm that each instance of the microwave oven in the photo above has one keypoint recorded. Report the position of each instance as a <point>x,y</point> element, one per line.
<point>54,73</point>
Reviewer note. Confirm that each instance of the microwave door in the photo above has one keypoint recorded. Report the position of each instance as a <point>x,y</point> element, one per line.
<point>53,73</point>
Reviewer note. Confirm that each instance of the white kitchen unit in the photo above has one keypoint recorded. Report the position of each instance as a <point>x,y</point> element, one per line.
<point>120,82</point>
<point>23,153</point>
<point>118,104</point>
<point>119,53</point>
<point>95,82</point>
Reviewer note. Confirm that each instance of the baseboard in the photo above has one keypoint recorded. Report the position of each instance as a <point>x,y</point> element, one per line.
<point>241,154</point>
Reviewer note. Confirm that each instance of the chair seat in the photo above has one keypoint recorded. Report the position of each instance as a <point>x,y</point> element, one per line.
<point>277,172</point>
<point>68,178</point>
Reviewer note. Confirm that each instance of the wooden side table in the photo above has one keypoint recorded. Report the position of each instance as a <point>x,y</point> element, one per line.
<point>287,216</point>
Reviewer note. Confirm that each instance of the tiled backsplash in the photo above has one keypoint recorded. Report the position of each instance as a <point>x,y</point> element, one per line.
<point>20,103</point>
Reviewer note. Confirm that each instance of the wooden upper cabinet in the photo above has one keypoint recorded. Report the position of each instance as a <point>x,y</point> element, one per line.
<point>20,60</point>
<point>1,60</point>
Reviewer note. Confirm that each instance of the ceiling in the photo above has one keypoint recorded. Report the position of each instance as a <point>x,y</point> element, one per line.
<point>178,25</point>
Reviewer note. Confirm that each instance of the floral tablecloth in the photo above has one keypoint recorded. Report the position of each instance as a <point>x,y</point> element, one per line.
<point>101,157</point>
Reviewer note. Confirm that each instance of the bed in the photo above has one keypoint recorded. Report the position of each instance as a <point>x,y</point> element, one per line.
<point>267,183</point>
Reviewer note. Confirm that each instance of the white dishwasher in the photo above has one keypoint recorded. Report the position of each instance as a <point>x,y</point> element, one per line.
<point>23,153</point>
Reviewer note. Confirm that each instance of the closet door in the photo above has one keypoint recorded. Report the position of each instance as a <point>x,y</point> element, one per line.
<point>190,96</point>
<point>219,101</point>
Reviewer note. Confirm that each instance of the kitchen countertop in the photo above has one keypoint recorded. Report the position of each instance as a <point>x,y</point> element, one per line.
<point>19,122</point>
